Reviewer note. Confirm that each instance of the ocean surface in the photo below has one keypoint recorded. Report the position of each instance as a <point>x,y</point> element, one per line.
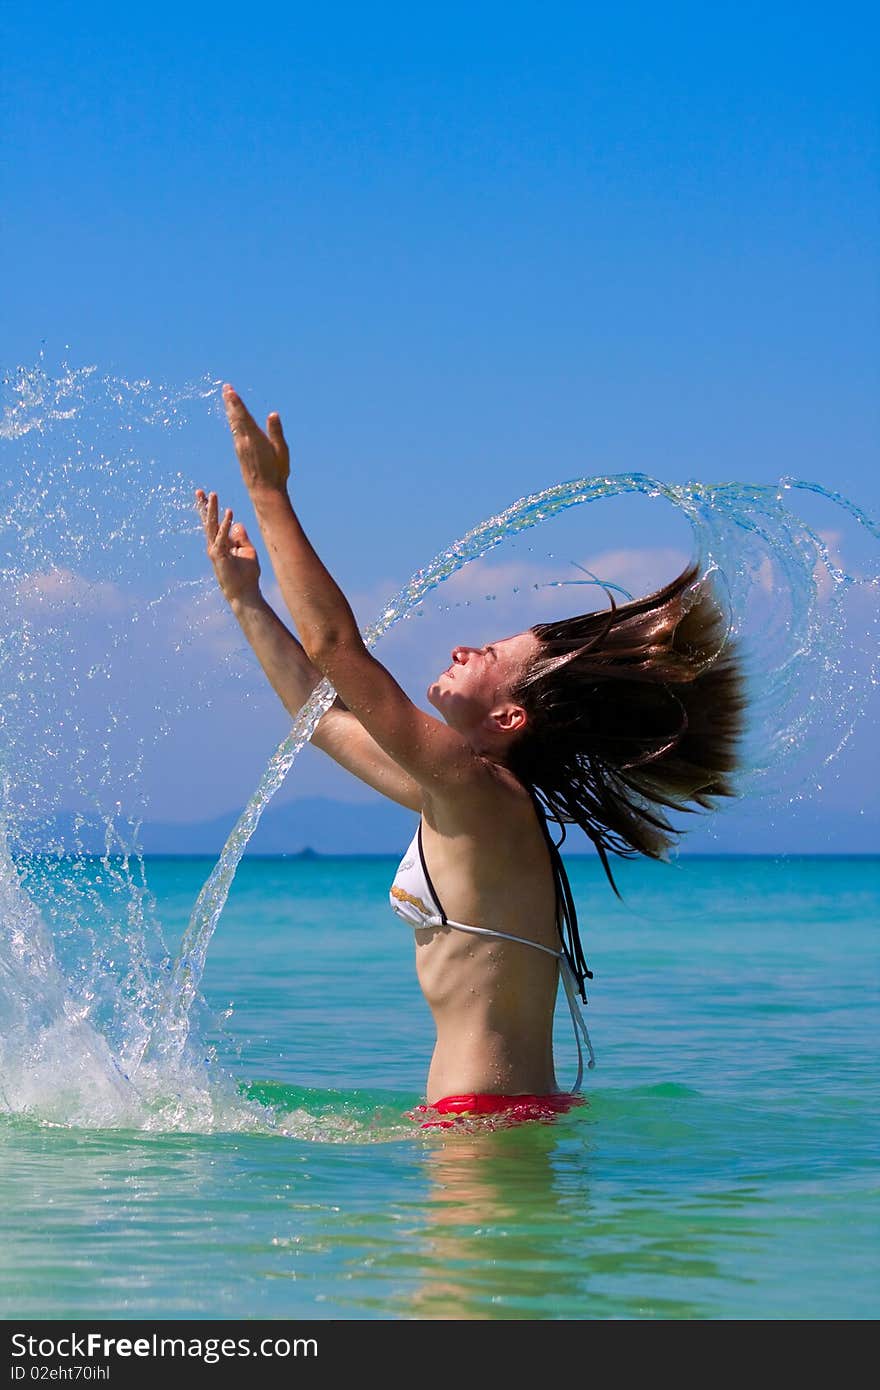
<point>724,1166</point>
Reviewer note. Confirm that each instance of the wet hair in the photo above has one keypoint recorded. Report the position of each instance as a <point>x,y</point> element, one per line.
<point>632,712</point>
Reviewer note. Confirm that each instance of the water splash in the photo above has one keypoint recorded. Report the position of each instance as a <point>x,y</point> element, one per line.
<point>95,526</point>
<point>99,1025</point>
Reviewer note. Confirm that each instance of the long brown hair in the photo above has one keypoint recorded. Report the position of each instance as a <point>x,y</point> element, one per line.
<point>632,712</point>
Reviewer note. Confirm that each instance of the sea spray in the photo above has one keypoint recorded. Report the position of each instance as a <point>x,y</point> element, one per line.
<point>95,522</point>
<point>44,1031</point>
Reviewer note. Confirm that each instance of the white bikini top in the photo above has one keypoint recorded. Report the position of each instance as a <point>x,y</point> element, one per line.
<point>414,900</point>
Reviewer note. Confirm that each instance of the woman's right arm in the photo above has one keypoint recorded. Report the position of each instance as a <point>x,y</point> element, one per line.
<point>339,733</point>
<point>292,676</point>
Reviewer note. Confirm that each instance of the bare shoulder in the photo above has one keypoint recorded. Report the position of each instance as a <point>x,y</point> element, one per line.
<point>488,795</point>
<point>487,854</point>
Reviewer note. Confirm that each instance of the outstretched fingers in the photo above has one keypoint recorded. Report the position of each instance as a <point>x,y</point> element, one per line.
<point>221,539</point>
<point>241,422</point>
<point>245,428</point>
<point>276,433</point>
<point>208,509</point>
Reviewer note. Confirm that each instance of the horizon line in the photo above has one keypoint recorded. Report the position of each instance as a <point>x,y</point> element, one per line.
<point>309,855</point>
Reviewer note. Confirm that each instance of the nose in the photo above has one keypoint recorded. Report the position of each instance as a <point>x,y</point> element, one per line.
<point>461,654</point>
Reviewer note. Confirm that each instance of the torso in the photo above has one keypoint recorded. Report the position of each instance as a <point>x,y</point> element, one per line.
<point>492,1000</point>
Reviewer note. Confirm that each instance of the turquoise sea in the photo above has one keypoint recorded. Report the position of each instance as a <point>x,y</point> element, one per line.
<point>724,1166</point>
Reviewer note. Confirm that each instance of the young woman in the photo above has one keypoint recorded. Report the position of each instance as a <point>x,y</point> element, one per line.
<point>605,720</point>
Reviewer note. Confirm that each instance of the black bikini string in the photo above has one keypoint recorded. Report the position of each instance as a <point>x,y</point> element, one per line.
<point>569,932</point>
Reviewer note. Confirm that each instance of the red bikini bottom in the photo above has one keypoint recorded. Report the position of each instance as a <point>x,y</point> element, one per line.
<point>513,1108</point>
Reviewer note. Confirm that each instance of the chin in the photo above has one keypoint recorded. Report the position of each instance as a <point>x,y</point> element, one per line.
<point>435,697</point>
<point>436,689</point>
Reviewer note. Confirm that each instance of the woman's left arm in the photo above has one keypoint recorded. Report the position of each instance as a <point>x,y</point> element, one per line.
<point>435,755</point>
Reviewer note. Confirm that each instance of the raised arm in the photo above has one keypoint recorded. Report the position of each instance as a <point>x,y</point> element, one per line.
<point>440,760</point>
<point>292,676</point>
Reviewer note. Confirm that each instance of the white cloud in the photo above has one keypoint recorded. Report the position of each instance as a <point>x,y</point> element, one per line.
<point>638,570</point>
<point>59,589</point>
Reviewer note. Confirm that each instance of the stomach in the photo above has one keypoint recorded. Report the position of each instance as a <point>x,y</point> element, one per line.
<point>486,1065</point>
<point>493,1010</point>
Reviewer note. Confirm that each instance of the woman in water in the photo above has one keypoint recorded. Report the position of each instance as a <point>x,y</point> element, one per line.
<point>605,721</point>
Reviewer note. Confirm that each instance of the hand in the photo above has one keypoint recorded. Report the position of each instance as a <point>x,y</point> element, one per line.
<point>264,458</point>
<point>232,555</point>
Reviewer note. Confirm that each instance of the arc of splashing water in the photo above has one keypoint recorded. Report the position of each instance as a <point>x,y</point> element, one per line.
<point>695,500</point>
<point>172,1029</point>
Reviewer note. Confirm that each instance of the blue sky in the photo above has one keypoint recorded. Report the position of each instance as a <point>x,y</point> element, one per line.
<point>468,251</point>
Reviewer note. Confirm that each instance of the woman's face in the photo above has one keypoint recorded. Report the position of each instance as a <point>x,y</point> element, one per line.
<point>479,680</point>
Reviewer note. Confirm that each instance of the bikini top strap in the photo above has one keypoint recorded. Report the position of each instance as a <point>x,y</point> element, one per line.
<point>505,936</point>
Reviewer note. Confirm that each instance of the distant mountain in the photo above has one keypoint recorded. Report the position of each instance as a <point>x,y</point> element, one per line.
<point>312,826</point>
